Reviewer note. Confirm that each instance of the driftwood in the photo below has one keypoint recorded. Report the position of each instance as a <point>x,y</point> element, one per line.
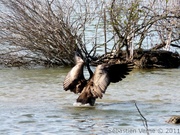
<point>156,59</point>
<point>174,120</point>
<point>144,59</point>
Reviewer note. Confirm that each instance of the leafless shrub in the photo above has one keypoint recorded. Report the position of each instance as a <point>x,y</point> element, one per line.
<point>135,21</point>
<point>50,30</point>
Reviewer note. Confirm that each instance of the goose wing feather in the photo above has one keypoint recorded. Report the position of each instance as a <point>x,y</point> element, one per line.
<point>75,81</point>
<point>105,74</point>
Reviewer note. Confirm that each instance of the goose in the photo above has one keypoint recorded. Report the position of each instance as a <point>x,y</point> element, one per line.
<point>94,87</point>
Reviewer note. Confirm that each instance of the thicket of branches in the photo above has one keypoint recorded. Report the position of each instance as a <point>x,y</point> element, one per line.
<point>42,32</point>
<point>47,32</point>
<point>134,22</point>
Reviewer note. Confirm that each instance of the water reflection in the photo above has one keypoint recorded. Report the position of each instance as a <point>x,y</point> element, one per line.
<point>33,102</point>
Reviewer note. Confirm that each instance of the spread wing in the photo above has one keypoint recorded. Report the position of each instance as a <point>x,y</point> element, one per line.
<point>75,81</point>
<point>105,74</point>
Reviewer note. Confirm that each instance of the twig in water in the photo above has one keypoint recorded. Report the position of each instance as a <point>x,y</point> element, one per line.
<point>143,119</point>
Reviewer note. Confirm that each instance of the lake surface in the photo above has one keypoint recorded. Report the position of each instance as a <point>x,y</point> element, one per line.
<point>33,102</point>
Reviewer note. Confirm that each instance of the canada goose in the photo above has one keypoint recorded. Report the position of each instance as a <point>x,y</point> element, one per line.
<point>97,83</point>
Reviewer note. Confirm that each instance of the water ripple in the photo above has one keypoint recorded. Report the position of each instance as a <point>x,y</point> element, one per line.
<point>33,103</point>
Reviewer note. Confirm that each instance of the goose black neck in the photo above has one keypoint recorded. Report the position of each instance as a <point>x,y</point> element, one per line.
<point>89,69</point>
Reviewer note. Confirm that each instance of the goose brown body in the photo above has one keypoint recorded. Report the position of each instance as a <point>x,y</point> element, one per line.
<point>97,84</point>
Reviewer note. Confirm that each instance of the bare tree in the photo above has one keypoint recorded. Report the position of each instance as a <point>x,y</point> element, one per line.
<point>46,32</point>
<point>167,28</point>
<point>136,20</point>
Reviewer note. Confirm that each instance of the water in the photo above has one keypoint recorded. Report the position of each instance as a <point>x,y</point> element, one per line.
<point>32,102</point>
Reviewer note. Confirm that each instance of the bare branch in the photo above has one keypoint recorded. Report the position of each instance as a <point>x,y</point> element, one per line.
<point>143,119</point>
